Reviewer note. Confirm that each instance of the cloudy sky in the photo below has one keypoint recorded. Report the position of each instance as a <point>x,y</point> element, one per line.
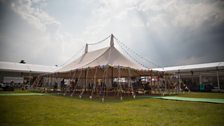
<point>166,32</point>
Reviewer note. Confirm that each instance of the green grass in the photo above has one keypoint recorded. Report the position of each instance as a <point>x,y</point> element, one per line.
<point>16,91</point>
<point>202,95</point>
<point>58,111</point>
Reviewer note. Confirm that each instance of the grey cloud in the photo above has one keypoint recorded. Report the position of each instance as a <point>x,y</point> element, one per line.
<point>168,33</point>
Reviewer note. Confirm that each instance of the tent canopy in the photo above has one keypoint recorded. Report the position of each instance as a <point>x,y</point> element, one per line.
<point>108,56</point>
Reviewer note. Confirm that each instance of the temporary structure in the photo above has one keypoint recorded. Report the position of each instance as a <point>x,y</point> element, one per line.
<point>109,59</point>
<point>102,57</point>
<point>97,70</point>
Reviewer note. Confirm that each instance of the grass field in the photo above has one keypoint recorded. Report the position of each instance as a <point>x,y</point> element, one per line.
<point>59,110</point>
<point>202,95</point>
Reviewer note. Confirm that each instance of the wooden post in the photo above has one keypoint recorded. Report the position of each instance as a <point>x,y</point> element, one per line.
<point>112,75</point>
<point>179,84</point>
<point>86,78</point>
<point>217,73</point>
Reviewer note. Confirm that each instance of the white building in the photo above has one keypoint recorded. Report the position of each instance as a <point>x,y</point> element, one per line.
<point>211,75</point>
<point>22,73</point>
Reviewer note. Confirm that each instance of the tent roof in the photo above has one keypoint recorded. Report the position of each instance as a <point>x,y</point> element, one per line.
<point>14,67</point>
<point>83,60</point>
<point>102,57</point>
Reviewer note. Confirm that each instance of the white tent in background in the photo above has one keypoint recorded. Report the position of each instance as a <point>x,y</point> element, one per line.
<point>98,70</point>
<point>103,63</point>
<point>102,57</point>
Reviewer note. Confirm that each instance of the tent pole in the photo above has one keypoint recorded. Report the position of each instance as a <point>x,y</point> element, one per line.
<point>179,82</point>
<point>158,84</point>
<point>50,82</point>
<point>73,82</point>
<point>104,82</point>
<point>119,74</point>
<point>76,83</point>
<point>56,78</point>
<point>107,78</point>
<point>165,82</point>
<point>112,76</point>
<point>68,86</point>
<point>94,84</point>
<point>84,88</point>
<point>151,80</point>
<point>217,74</point>
<point>86,75</point>
<point>47,85</point>
<point>130,84</point>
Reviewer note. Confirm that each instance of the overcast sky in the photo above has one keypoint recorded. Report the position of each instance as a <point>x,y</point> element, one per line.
<point>167,32</point>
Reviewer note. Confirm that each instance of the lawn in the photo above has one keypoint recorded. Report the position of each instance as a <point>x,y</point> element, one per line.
<point>59,110</point>
<point>202,95</point>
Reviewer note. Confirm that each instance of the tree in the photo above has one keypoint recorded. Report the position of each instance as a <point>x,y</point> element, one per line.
<point>22,61</point>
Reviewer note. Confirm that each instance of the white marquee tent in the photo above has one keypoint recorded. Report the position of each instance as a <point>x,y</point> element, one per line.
<point>106,62</point>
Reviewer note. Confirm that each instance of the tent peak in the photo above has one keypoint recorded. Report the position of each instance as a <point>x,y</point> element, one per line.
<point>112,40</point>
<point>86,49</point>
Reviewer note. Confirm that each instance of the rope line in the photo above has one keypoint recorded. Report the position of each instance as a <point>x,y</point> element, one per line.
<point>137,54</point>
<point>79,51</point>
<point>100,41</point>
<point>132,56</point>
<point>76,54</point>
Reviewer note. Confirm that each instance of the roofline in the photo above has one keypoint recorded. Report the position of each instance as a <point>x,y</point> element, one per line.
<point>191,67</point>
<point>28,67</point>
<point>23,71</point>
